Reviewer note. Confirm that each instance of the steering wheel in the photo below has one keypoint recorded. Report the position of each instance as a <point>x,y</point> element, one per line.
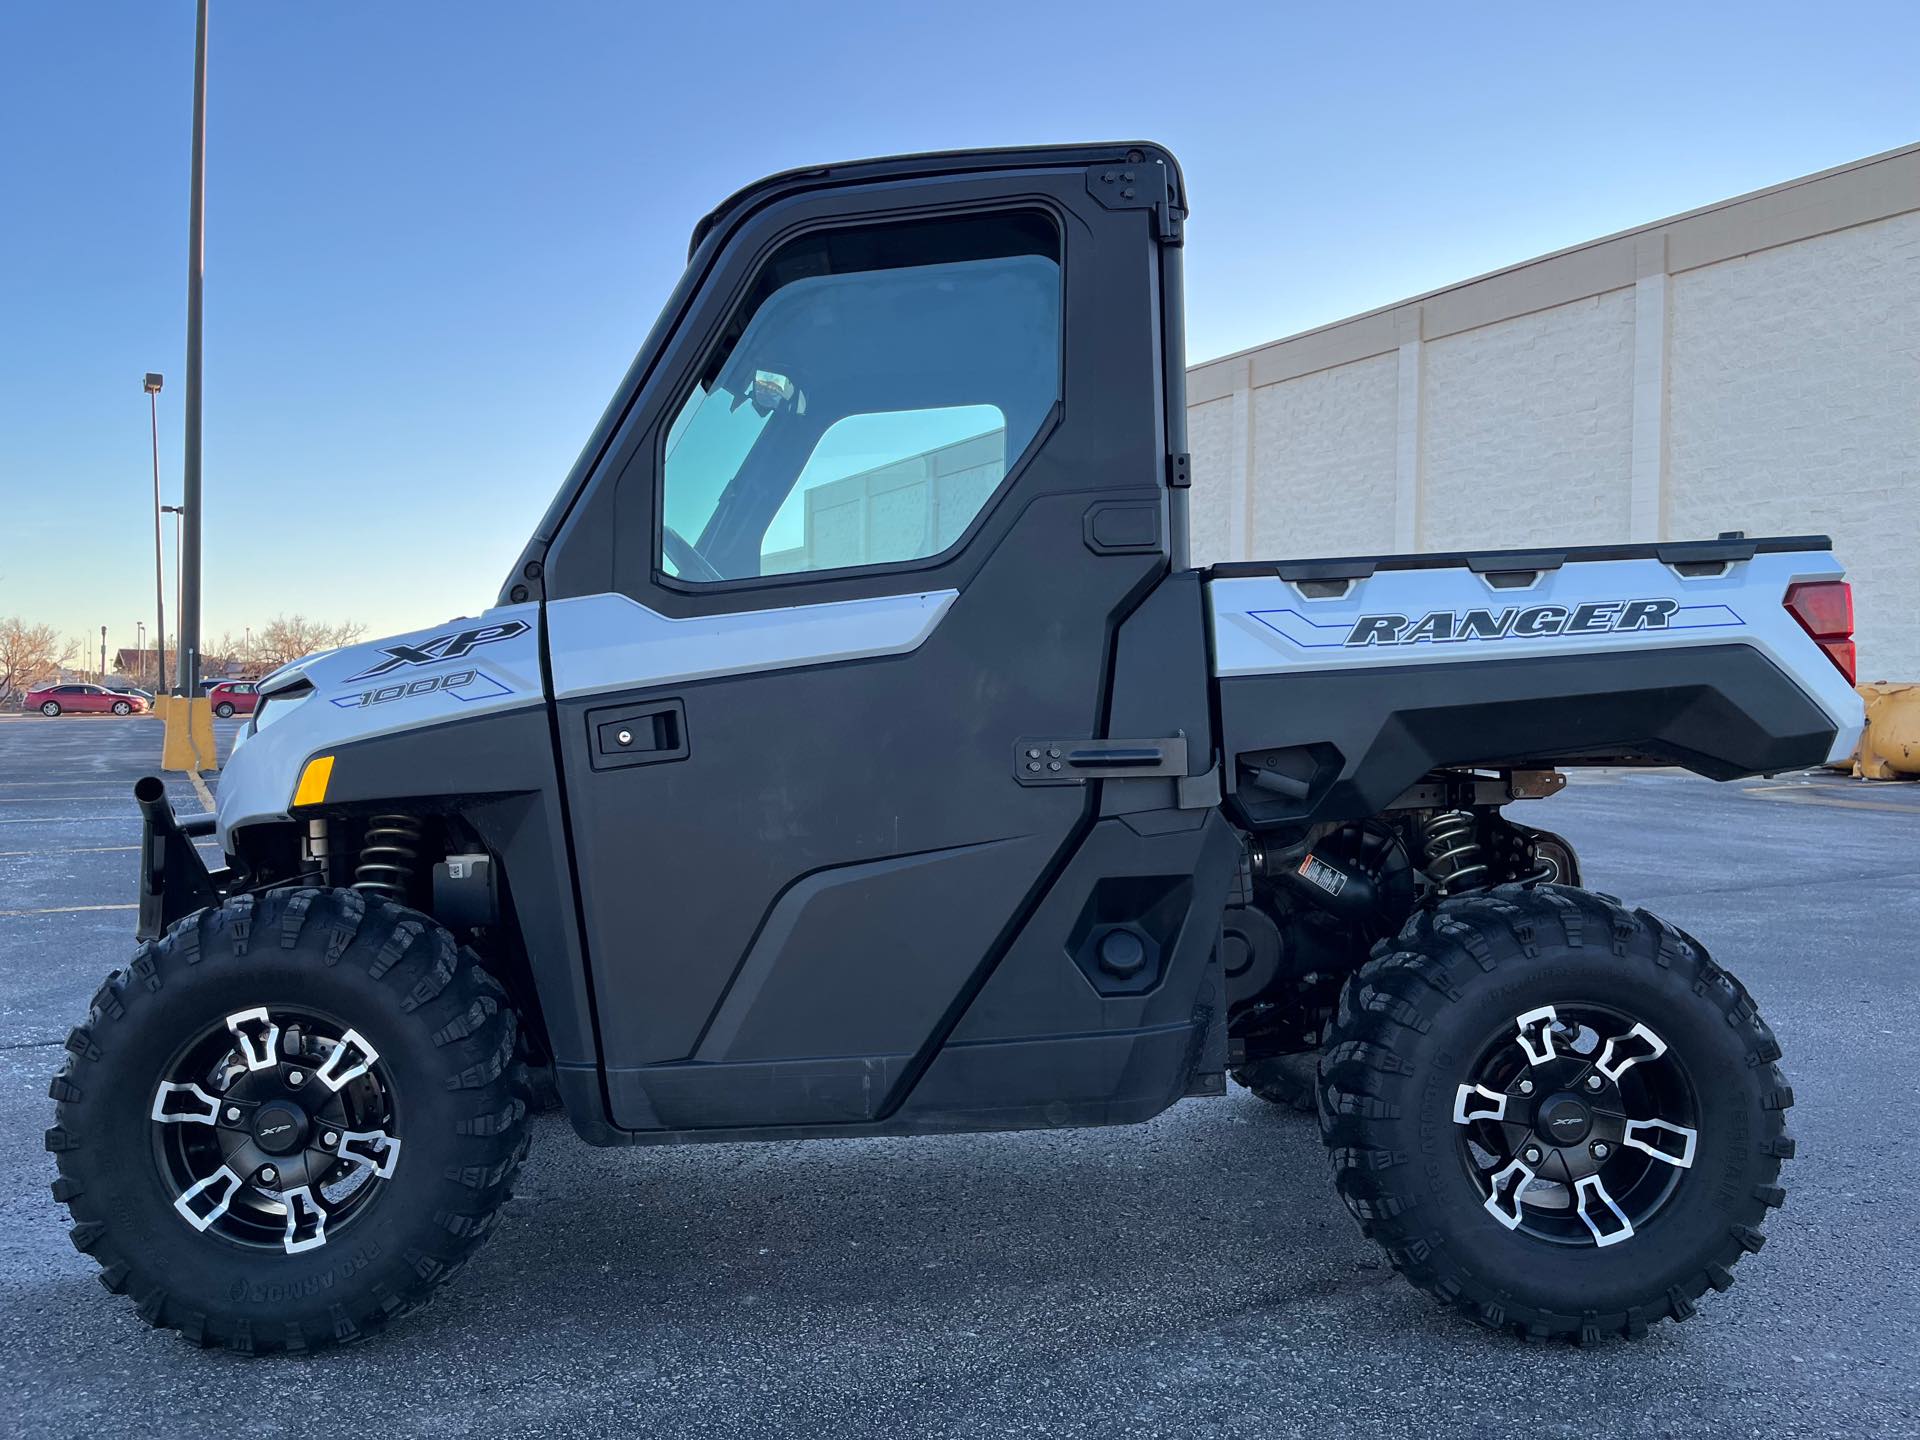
<point>687,560</point>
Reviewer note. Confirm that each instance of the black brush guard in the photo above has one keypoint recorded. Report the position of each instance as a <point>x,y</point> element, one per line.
<point>174,880</point>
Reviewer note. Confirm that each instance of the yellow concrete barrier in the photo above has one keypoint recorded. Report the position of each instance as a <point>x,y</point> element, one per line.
<point>1890,748</point>
<point>188,743</point>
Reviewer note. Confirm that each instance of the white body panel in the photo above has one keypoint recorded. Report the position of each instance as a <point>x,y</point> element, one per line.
<point>606,643</point>
<point>610,642</point>
<point>1264,626</point>
<point>420,686</point>
<point>492,663</point>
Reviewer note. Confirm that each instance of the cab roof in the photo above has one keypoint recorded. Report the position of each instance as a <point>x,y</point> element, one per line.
<point>937,162</point>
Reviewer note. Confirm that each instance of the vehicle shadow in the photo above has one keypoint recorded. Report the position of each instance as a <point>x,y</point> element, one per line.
<point>1215,1209</point>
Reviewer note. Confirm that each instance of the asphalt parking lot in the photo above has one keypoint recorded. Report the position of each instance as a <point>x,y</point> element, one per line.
<point>1194,1275</point>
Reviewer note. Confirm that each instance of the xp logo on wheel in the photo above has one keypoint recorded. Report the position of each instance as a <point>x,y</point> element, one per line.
<point>450,646</point>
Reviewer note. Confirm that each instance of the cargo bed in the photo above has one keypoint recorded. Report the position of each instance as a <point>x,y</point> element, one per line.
<point>1671,653</point>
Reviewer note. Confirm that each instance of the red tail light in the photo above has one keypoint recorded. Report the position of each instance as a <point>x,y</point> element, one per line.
<point>1824,609</point>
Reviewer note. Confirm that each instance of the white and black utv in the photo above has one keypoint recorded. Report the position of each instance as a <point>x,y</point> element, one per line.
<point>853,751</point>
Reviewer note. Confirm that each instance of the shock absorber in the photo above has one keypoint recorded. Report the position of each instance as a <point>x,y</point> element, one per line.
<point>1455,857</point>
<point>389,856</point>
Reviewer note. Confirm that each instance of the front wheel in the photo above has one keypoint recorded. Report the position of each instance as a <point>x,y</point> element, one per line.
<point>50,708</point>
<point>121,707</point>
<point>223,710</point>
<point>1556,1115</point>
<point>288,1121</point>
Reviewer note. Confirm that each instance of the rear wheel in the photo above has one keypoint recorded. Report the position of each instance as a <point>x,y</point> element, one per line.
<point>290,1120</point>
<point>1556,1115</point>
<point>223,710</point>
<point>50,708</point>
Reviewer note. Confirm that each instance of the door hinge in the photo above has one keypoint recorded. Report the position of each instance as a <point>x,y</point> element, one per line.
<point>1180,471</point>
<point>1074,762</point>
<point>1141,184</point>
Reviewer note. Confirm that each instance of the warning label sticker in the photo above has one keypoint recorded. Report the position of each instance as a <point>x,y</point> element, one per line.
<point>1318,872</point>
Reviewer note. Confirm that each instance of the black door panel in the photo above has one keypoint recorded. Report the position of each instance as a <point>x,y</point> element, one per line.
<point>791,773</point>
<point>786,919</point>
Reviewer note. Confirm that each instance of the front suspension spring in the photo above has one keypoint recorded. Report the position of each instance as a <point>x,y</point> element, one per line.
<point>389,856</point>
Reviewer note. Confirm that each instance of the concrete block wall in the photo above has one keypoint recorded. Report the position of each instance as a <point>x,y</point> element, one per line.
<point>1795,398</point>
<point>1528,429</point>
<point>1754,365</point>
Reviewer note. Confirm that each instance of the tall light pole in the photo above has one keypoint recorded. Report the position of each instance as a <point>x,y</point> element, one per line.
<point>153,383</point>
<point>179,513</point>
<point>189,662</point>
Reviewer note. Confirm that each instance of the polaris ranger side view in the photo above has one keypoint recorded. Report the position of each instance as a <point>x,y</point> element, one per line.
<point>853,751</point>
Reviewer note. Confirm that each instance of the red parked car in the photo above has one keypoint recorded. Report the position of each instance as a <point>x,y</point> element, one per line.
<point>82,700</point>
<point>233,697</point>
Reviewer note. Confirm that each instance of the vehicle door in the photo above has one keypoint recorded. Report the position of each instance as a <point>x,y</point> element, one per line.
<point>854,560</point>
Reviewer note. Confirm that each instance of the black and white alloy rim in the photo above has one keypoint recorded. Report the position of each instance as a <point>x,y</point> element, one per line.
<point>1577,1123</point>
<point>275,1128</point>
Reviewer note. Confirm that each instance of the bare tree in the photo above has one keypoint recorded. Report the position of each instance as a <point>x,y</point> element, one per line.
<point>89,657</point>
<point>29,655</point>
<point>288,637</point>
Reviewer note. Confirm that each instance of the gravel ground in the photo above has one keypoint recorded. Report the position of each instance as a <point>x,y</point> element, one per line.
<point>1194,1275</point>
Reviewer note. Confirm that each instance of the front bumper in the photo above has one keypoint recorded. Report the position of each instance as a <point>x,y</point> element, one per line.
<point>174,880</point>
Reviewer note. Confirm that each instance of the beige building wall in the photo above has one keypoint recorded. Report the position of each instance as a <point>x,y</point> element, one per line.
<point>1754,366</point>
<point>1323,458</point>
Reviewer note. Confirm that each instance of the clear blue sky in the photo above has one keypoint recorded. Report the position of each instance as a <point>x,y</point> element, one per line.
<point>438,231</point>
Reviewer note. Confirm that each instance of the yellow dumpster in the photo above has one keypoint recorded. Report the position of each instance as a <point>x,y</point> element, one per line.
<point>1890,748</point>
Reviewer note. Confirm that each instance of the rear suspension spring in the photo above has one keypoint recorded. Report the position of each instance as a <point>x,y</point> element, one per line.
<point>1455,857</point>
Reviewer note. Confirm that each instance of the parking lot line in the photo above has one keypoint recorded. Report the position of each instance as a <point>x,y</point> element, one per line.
<point>66,850</point>
<point>84,850</point>
<point>73,820</point>
<point>52,799</point>
<point>66,910</point>
<point>29,784</point>
<point>1803,795</point>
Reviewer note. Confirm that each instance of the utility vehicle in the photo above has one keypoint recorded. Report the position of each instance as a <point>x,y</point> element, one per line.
<point>853,751</point>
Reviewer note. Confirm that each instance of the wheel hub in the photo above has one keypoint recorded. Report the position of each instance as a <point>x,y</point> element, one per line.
<point>280,1129</point>
<point>1598,1153</point>
<point>1563,1119</point>
<point>275,1127</point>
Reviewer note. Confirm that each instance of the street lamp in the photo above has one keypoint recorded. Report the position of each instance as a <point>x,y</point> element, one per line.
<point>179,576</point>
<point>153,383</point>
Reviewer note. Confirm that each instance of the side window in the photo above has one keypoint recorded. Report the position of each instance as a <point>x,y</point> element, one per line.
<point>873,389</point>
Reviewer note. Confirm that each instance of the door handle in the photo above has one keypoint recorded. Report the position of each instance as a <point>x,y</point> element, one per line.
<point>648,734</point>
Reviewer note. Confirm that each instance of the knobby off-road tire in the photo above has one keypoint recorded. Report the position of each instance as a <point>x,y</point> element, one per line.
<point>1409,1027</point>
<point>447,1041</point>
<point>1284,1080</point>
